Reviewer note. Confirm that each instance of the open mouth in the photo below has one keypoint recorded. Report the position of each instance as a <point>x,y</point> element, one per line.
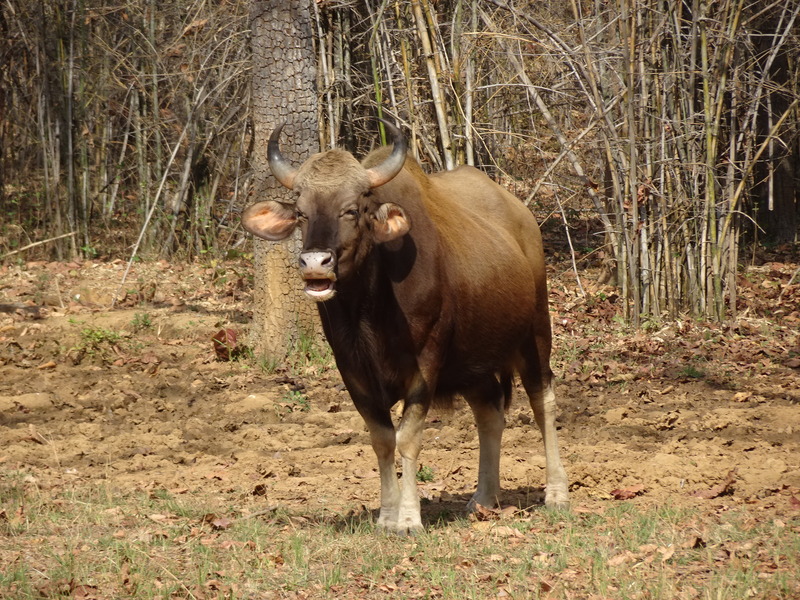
<point>320,289</point>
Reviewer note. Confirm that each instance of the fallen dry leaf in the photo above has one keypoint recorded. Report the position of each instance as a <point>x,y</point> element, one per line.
<point>221,523</point>
<point>621,559</point>
<point>628,493</point>
<point>35,436</point>
<point>496,558</point>
<point>85,591</point>
<point>666,553</point>
<point>694,542</point>
<point>726,487</point>
<point>225,344</point>
<point>158,518</point>
<point>194,27</point>
<point>484,513</point>
<point>508,532</point>
<point>508,512</point>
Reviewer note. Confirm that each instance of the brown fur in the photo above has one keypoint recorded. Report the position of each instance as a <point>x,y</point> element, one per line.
<point>331,170</point>
<point>440,291</point>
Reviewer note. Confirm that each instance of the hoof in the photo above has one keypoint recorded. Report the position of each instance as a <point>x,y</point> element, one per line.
<point>557,501</point>
<point>477,504</point>
<point>400,530</point>
<point>556,497</point>
<point>409,531</point>
<point>402,527</point>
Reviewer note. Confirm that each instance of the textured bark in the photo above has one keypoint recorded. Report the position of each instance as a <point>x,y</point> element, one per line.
<point>283,90</point>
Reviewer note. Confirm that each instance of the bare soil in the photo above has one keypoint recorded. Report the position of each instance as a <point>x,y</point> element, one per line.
<point>682,412</point>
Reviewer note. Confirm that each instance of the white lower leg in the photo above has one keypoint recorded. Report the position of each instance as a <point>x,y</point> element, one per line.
<point>383,443</point>
<point>557,488</point>
<point>409,441</point>
<point>490,422</point>
<point>409,517</point>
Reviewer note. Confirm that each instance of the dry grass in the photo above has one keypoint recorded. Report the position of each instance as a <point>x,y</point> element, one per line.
<point>94,541</point>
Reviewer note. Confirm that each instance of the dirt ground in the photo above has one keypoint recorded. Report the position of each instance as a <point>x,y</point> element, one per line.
<point>682,412</point>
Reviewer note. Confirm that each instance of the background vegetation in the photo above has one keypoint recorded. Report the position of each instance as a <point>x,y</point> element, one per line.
<point>664,136</point>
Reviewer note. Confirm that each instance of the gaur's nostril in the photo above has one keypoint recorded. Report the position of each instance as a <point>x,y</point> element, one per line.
<point>314,260</point>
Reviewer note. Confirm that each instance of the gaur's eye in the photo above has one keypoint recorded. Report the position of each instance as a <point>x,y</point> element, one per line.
<point>299,214</point>
<point>352,213</point>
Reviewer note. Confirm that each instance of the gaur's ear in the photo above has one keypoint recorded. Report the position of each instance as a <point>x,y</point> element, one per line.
<point>390,223</point>
<point>270,220</point>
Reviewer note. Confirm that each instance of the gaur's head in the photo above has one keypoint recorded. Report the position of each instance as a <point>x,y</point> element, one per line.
<point>338,216</point>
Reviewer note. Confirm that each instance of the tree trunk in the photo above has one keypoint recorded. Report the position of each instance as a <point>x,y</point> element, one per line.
<point>284,71</point>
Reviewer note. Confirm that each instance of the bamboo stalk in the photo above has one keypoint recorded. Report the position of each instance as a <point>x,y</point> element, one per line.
<point>469,92</point>
<point>632,241</point>
<point>615,159</point>
<point>548,116</point>
<point>377,80</point>
<point>109,207</point>
<point>737,195</point>
<point>39,243</point>
<point>326,77</point>
<point>72,202</point>
<point>405,64</point>
<point>149,216</point>
<point>436,91</point>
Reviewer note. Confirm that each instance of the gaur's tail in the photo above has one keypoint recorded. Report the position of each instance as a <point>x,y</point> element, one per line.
<point>506,381</point>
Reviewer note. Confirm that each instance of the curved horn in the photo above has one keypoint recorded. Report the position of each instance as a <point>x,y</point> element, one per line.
<point>385,171</point>
<point>280,167</point>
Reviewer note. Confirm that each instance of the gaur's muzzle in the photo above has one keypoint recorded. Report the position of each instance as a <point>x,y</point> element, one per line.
<point>318,271</point>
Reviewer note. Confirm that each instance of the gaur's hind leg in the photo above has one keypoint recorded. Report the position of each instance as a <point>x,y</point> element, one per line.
<point>488,402</point>
<point>538,381</point>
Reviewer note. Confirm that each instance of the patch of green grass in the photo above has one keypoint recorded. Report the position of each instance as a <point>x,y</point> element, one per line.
<point>425,474</point>
<point>141,321</point>
<point>41,285</point>
<point>692,372</point>
<point>295,401</point>
<point>159,544</point>
<point>13,487</point>
<point>307,355</point>
<point>310,354</point>
<point>268,365</point>
<point>96,337</point>
<point>98,341</point>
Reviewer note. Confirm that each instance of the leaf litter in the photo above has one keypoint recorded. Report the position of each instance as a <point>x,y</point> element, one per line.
<point>657,417</point>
